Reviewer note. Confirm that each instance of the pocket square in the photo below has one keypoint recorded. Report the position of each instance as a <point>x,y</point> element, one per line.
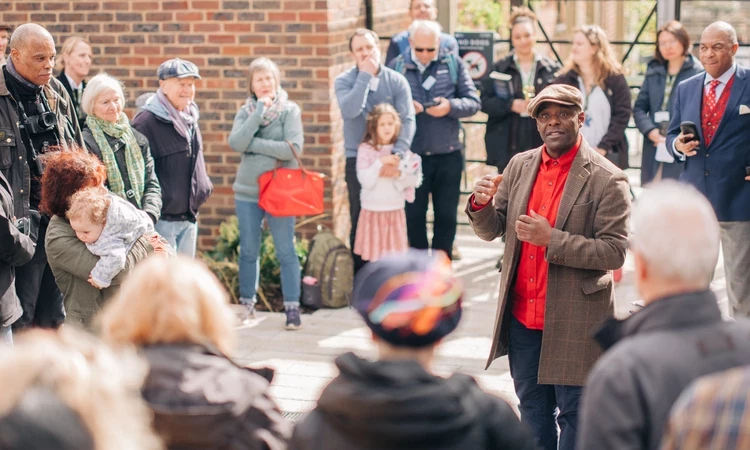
<point>744,109</point>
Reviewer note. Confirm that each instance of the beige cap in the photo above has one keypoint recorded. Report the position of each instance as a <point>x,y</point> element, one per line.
<point>562,94</point>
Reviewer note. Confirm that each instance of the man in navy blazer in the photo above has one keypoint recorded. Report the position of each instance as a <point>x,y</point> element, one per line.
<point>718,161</point>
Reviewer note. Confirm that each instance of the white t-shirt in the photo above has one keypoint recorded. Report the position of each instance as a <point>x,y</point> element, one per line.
<point>598,114</point>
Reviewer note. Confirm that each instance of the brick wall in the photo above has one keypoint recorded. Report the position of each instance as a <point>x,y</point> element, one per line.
<point>308,39</point>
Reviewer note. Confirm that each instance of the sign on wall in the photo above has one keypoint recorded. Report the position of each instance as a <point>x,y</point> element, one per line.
<point>477,51</point>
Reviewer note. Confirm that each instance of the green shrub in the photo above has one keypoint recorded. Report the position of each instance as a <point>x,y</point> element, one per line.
<point>224,263</point>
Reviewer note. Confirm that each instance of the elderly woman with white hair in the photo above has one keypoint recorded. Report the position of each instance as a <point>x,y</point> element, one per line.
<point>123,150</point>
<point>264,130</point>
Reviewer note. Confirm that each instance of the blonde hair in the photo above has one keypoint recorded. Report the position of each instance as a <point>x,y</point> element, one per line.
<point>67,48</point>
<point>165,301</point>
<point>97,86</point>
<point>101,385</point>
<point>371,131</point>
<point>90,203</point>
<point>262,64</point>
<point>604,61</point>
<point>521,14</point>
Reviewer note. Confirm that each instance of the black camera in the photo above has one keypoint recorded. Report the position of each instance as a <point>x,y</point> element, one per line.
<point>41,123</point>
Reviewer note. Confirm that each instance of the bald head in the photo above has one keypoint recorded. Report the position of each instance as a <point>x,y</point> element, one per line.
<point>717,48</point>
<point>32,51</point>
<point>29,32</point>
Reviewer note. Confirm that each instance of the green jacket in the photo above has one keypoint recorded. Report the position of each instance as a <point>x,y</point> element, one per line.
<point>71,263</point>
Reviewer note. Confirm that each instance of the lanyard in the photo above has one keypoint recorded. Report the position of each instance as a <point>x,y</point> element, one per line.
<point>528,84</point>
<point>668,90</point>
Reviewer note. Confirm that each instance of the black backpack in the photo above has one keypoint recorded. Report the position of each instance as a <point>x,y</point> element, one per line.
<point>328,275</point>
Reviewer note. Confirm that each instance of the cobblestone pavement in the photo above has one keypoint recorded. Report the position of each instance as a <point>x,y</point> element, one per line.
<point>303,359</point>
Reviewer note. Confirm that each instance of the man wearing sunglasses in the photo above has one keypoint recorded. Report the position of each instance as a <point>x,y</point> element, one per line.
<point>419,10</point>
<point>443,93</point>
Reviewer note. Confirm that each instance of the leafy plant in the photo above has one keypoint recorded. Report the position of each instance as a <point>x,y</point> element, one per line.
<point>224,262</point>
<point>480,15</point>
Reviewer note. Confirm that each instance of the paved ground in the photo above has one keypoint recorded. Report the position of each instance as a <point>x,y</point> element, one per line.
<point>304,359</point>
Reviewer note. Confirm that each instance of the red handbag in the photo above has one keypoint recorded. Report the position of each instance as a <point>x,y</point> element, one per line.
<point>291,192</point>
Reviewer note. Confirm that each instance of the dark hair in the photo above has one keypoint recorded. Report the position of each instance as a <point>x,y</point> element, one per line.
<point>371,132</point>
<point>363,32</point>
<point>676,29</point>
<point>521,14</point>
<point>66,173</point>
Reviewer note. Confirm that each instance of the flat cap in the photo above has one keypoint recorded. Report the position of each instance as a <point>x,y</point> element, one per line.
<point>562,94</point>
<point>177,68</point>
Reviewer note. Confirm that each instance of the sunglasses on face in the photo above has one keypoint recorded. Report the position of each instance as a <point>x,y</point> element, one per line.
<point>422,50</point>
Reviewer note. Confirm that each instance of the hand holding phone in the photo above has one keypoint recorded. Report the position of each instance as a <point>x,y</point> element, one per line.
<point>688,127</point>
<point>430,104</point>
<point>687,141</point>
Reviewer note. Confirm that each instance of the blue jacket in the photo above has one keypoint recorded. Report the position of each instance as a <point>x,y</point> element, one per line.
<point>439,135</point>
<point>400,45</point>
<point>356,101</point>
<point>719,170</point>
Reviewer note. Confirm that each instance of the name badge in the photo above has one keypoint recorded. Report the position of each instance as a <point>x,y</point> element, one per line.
<point>661,116</point>
<point>429,83</point>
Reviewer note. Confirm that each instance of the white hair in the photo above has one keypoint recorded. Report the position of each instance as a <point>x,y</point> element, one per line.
<point>676,232</point>
<point>97,86</point>
<point>428,27</point>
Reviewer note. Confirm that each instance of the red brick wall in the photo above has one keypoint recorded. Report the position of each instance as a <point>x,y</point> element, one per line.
<point>307,38</point>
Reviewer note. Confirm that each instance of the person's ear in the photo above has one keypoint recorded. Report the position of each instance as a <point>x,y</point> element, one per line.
<point>641,267</point>
<point>581,118</point>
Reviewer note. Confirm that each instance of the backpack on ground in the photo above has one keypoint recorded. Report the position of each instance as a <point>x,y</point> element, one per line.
<point>328,275</point>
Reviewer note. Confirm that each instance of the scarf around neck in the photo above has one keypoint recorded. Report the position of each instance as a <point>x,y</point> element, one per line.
<point>23,81</point>
<point>186,123</point>
<point>273,112</point>
<point>136,166</point>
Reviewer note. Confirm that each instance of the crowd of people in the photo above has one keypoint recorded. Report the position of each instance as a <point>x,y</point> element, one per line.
<point>98,230</point>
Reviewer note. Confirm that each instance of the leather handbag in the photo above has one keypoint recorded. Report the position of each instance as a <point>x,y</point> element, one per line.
<point>286,192</point>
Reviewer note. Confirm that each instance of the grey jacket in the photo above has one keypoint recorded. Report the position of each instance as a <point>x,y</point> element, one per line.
<point>656,353</point>
<point>13,152</point>
<point>125,224</point>
<point>261,147</point>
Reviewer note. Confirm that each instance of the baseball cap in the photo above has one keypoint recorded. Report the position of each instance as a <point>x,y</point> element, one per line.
<point>409,300</point>
<point>177,68</point>
<point>562,94</point>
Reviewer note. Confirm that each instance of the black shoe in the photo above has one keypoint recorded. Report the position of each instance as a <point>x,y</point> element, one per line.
<point>293,321</point>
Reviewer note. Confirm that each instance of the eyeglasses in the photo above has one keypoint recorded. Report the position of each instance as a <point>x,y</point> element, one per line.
<point>422,50</point>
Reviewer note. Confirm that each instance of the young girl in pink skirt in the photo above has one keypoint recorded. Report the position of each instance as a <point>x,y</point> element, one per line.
<point>388,181</point>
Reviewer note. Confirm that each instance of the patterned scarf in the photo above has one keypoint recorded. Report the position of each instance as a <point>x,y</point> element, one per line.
<point>136,167</point>
<point>185,122</point>
<point>272,113</point>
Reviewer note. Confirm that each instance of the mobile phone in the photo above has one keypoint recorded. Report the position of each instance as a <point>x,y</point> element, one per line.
<point>747,171</point>
<point>430,104</point>
<point>688,127</point>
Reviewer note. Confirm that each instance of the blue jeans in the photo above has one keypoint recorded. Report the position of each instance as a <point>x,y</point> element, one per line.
<point>538,402</point>
<point>6,335</point>
<point>182,236</point>
<point>250,217</point>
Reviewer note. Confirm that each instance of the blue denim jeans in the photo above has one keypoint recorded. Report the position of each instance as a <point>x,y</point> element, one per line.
<point>6,335</point>
<point>250,217</point>
<point>182,236</point>
<point>539,402</point>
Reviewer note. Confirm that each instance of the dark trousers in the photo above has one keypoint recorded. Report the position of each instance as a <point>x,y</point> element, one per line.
<point>354,188</point>
<point>41,299</point>
<point>442,179</point>
<point>538,402</point>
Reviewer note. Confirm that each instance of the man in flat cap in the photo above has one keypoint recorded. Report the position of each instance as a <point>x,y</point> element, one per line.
<point>169,120</point>
<point>567,208</point>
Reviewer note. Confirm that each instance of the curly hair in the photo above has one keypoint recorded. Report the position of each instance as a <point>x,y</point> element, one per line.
<point>91,203</point>
<point>65,173</point>
<point>520,14</point>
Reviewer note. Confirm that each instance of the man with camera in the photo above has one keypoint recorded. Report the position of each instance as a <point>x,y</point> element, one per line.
<point>708,131</point>
<point>36,115</point>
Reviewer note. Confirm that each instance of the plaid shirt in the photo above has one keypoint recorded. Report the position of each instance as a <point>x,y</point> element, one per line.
<point>712,413</point>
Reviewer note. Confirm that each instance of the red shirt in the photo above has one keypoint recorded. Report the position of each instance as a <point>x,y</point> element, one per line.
<point>529,294</point>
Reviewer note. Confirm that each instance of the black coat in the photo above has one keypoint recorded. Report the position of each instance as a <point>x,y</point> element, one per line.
<point>179,165</point>
<point>618,93</point>
<point>151,201</point>
<point>76,104</point>
<point>398,405</point>
<point>507,132</point>
<point>649,102</point>
<point>16,249</point>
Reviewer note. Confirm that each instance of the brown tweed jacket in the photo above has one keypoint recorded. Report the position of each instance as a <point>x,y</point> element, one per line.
<point>588,240</point>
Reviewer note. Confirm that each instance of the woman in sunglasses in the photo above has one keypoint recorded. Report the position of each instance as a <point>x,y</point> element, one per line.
<point>594,70</point>
<point>507,92</point>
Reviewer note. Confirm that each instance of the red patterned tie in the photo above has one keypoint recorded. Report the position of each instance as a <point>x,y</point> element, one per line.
<point>711,98</point>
